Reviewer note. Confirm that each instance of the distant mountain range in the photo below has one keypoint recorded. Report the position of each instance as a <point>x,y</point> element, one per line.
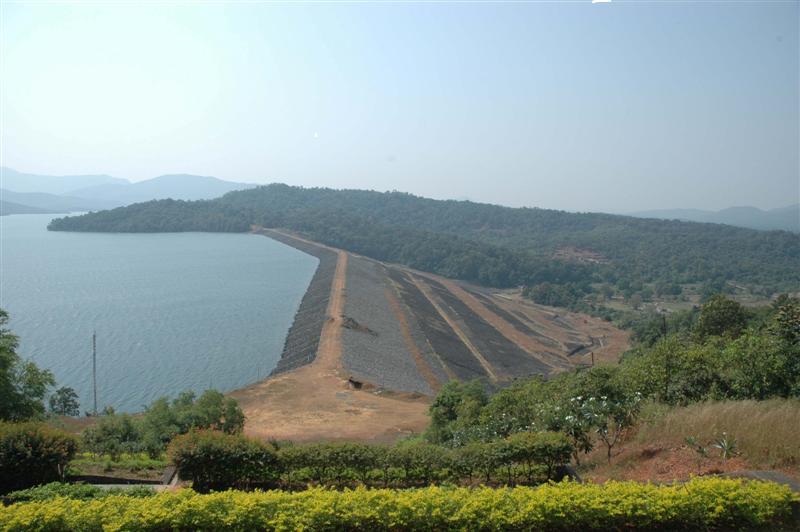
<point>31,193</point>
<point>785,218</point>
<point>9,207</point>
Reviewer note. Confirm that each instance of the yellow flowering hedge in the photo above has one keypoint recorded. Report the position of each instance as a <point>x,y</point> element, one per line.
<point>702,504</point>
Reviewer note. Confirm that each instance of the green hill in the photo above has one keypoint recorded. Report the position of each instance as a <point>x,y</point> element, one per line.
<point>488,244</point>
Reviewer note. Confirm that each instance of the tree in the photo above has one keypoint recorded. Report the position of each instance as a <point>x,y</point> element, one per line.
<point>786,322</point>
<point>114,435</point>
<point>613,418</point>
<point>64,402</point>
<point>23,385</point>
<point>457,404</point>
<point>720,316</point>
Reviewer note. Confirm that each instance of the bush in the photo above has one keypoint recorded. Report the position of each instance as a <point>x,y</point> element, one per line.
<point>83,492</point>
<point>32,454</point>
<point>115,434</point>
<point>702,504</point>
<point>216,460</point>
<point>419,461</point>
<point>547,449</point>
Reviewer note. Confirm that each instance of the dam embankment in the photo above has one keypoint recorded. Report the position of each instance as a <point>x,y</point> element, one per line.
<point>409,331</point>
<point>302,341</point>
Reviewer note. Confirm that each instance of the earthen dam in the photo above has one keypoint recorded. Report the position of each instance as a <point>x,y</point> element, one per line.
<point>372,342</point>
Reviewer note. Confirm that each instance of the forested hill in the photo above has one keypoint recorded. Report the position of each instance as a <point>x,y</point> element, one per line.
<point>488,244</point>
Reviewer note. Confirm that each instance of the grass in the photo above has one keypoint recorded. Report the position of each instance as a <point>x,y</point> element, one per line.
<point>766,432</point>
<point>137,464</point>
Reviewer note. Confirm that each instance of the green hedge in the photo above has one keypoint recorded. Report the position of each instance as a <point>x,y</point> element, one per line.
<point>33,453</point>
<point>212,460</point>
<point>216,460</point>
<point>702,504</point>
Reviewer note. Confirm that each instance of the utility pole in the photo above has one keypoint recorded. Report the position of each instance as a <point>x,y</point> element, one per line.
<point>94,369</point>
<point>667,357</point>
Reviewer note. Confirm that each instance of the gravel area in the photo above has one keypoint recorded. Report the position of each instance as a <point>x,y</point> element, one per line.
<point>441,337</point>
<point>506,357</point>
<point>374,349</point>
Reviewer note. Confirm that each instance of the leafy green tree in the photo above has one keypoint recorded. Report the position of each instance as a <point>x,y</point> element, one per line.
<point>760,366</point>
<point>23,385</point>
<point>215,411</point>
<point>113,435</point>
<point>457,404</point>
<point>64,402</point>
<point>163,420</point>
<point>720,316</point>
<point>787,319</point>
<point>613,417</point>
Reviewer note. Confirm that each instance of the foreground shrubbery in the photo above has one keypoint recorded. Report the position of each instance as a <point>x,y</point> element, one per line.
<point>214,460</point>
<point>33,453</point>
<point>702,504</point>
<point>116,434</point>
<point>82,492</point>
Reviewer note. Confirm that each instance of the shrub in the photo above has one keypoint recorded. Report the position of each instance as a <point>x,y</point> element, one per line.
<point>113,435</point>
<point>547,449</point>
<point>82,492</point>
<point>356,457</point>
<point>420,461</point>
<point>466,460</point>
<point>162,420</point>
<point>216,460</point>
<point>33,453</point>
<point>702,504</point>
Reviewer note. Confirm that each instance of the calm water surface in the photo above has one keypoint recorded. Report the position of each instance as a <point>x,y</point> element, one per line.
<point>173,312</point>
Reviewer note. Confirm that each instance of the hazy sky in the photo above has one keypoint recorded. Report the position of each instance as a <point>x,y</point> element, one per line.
<point>609,107</point>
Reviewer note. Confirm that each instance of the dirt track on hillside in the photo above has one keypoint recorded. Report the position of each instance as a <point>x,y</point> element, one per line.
<point>316,402</point>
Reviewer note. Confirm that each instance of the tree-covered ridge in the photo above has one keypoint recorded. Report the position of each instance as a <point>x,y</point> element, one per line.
<point>158,216</point>
<point>489,244</point>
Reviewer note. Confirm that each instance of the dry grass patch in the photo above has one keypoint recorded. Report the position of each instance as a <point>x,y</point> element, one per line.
<point>766,433</point>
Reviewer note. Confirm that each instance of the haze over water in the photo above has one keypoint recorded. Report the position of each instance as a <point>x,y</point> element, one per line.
<point>172,311</point>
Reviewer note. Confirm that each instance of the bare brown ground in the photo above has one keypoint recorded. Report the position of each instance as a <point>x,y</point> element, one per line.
<point>609,342</point>
<point>315,402</point>
<point>655,462</point>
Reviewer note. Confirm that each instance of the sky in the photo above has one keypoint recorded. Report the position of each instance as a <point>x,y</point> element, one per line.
<point>614,107</point>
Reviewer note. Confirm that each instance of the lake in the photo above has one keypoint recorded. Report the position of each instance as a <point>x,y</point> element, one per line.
<point>172,311</point>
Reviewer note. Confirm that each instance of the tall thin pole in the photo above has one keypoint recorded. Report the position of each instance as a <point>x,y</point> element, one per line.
<point>94,369</point>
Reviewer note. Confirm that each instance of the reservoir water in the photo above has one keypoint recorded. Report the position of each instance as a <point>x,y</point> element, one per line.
<point>172,311</point>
